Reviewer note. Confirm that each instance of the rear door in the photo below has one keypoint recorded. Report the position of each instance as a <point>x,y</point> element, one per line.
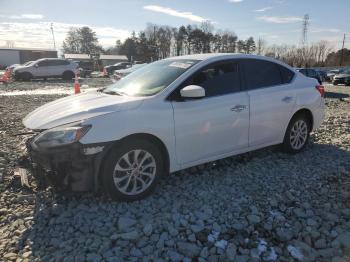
<point>217,123</point>
<point>272,99</point>
<point>41,69</point>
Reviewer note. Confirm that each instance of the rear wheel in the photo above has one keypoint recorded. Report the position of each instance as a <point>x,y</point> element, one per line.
<point>132,170</point>
<point>297,134</point>
<point>68,75</point>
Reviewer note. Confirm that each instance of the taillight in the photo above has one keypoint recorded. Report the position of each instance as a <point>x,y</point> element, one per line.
<point>320,89</point>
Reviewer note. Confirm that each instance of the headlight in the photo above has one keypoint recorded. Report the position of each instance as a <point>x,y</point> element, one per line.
<point>60,136</point>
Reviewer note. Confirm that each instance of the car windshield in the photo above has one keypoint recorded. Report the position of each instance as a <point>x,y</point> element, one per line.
<point>150,79</point>
<point>28,63</point>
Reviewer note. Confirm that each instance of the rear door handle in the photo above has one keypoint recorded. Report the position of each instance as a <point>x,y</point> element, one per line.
<point>238,108</point>
<point>287,99</point>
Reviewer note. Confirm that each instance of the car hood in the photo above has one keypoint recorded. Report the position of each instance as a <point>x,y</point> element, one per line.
<point>19,67</point>
<point>78,107</point>
<point>341,75</point>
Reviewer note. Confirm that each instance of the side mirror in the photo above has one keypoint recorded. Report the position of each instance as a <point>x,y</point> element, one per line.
<point>192,91</point>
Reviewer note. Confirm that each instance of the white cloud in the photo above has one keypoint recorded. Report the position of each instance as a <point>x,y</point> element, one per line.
<point>280,19</point>
<point>235,1</point>
<point>24,16</point>
<point>173,12</point>
<point>38,34</point>
<point>263,9</point>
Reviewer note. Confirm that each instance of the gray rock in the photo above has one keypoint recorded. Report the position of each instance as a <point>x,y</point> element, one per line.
<point>242,258</point>
<point>253,219</point>
<point>321,243</point>
<point>135,252</point>
<point>147,229</point>
<point>231,251</point>
<point>284,234</point>
<point>188,249</point>
<point>343,239</point>
<point>197,228</point>
<point>124,223</point>
<point>133,235</point>
<point>174,256</point>
<point>205,252</point>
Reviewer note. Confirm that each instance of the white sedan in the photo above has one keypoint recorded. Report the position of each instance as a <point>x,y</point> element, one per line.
<point>170,115</point>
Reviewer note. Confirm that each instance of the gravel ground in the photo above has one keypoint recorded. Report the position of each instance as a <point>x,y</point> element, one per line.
<point>260,206</point>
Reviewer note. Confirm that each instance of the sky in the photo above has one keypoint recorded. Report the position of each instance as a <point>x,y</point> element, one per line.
<point>26,23</point>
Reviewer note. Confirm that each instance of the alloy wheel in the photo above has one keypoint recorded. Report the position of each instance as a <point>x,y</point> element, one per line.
<point>134,172</point>
<point>298,134</point>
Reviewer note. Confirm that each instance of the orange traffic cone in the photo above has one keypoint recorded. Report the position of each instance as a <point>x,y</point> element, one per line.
<point>76,83</point>
<point>6,77</point>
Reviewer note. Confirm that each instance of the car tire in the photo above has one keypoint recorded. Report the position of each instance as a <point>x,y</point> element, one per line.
<point>297,134</point>
<point>124,178</point>
<point>68,75</point>
<point>26,76</point>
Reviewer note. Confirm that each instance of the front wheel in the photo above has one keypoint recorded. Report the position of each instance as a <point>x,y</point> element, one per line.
<point>297,134</point>
<point>132,170</point>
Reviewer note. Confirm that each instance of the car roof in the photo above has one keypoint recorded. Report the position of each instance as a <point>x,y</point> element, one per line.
<point>217,56</point>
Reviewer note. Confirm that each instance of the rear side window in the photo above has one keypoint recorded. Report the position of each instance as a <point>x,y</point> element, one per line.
<point>217,79</point>
<point>286,74</point>
<point>57,62</point>
<point>260,74</point>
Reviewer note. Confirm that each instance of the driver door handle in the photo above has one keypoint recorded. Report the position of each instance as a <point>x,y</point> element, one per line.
<point>238,108</point>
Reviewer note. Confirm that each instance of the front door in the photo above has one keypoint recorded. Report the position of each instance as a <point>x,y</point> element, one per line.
<point>216,124</point>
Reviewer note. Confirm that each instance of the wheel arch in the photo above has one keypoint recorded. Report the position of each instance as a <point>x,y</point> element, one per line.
<point>141,136</point>
<point>306,112</point>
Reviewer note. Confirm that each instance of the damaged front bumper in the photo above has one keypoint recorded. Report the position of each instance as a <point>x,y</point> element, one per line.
<point>74,166</point>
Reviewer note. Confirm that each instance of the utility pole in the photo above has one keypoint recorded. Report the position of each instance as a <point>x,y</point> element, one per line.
<point>53,36</point>
<point>342,52</point>
<point>304,33</point>
<point>305,28</point>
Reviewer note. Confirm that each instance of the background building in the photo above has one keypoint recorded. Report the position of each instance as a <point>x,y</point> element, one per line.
<point>10,56</point>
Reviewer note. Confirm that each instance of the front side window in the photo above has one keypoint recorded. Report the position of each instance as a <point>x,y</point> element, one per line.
<point>152,78</point>
<point>217,79</point>
<point>42,63</point>
<point>261,73</point>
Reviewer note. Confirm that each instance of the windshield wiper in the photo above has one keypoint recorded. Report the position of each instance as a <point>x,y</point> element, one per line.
<point>110,92</point>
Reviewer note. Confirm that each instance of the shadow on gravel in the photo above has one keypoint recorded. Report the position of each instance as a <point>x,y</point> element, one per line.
<point>336,95</point>
<point>78,227</point>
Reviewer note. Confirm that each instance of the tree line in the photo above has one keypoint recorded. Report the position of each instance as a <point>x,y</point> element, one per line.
<point>161,41</point>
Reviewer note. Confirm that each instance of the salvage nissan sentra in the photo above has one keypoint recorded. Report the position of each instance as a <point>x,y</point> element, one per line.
<point>173,114</point>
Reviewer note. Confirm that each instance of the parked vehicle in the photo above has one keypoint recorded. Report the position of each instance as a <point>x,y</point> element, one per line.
<point>119,74</point>
<point>85,68</point>
<point>331,74</point>
<point>343,77</point>
<point>170,115</point>
<point>322,74</point>
<point>309,72</point>
<point>46,68</point>
<point>108,70</point>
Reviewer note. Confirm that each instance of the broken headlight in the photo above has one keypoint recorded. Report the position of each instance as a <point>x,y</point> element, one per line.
<point>60,136</point>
